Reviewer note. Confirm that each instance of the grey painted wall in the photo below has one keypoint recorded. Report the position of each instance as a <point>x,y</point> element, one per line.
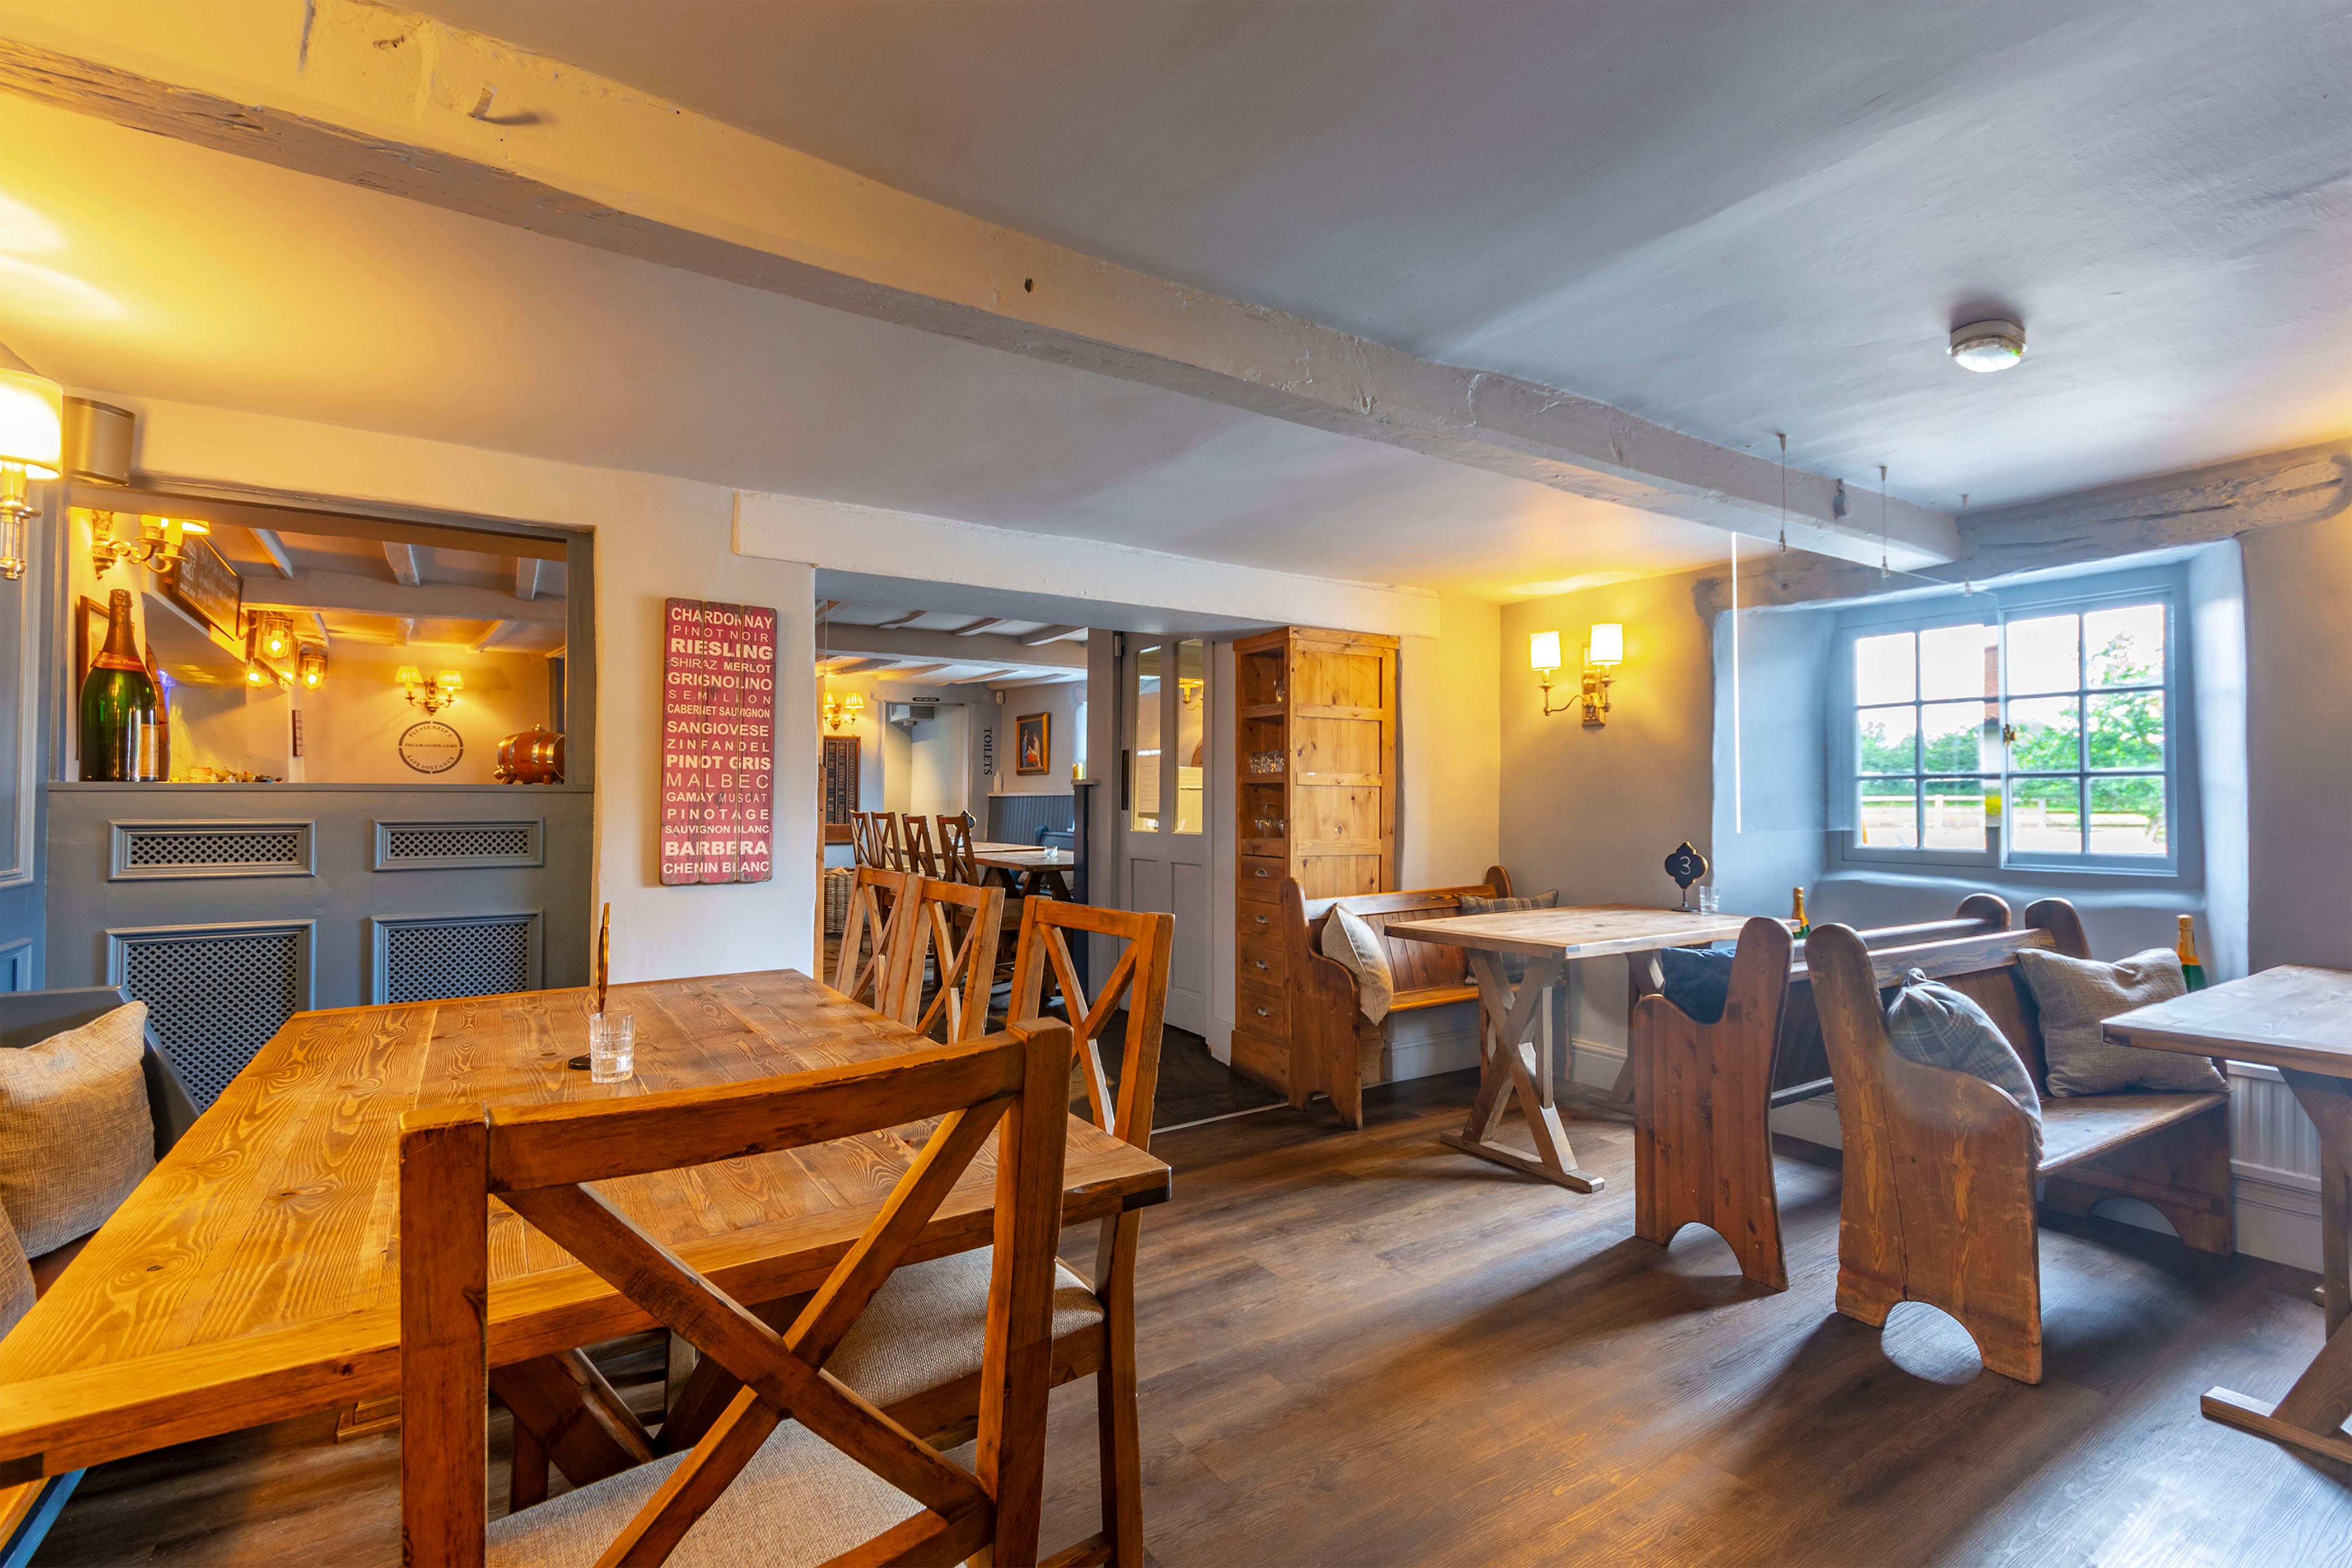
<point>2299,736</point>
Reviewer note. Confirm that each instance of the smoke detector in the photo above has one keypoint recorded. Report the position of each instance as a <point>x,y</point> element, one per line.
<point>1988,346</point>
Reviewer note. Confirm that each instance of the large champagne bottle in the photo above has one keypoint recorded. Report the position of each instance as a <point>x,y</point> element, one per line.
<point>120,739</point>
<point>2190,970</point>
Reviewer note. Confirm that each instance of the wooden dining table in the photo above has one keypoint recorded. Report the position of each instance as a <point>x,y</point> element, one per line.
<point>1514,1047</point>
<point>2299,1020</point>
<point>254,1274</point>
<point>1028,871</point>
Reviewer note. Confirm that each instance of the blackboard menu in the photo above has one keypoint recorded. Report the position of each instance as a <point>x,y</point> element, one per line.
<point>719,742</point>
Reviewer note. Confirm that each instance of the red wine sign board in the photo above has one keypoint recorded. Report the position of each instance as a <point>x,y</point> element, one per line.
<point>719,742</point>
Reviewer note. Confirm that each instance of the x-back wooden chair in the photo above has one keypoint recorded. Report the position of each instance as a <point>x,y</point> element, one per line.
<point>873,937</point>
<point>955,850</point>
<point>861,838</point>
<point>847,1480</point>
<point>920,857</point>
<point>954,934</point>
<point>889,848</point>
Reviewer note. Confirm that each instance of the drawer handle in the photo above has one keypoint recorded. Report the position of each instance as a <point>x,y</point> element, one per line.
<point>1261,1011</point>
<point>1258,871</point>
<point>1261,963</point>
<point>1260,918</point>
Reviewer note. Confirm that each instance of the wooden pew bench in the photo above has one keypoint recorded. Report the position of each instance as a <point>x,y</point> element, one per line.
<point>1334,1048</point>
<point>1938,1204</point>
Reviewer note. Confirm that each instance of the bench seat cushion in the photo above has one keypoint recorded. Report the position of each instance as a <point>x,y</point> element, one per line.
<point>926,1327</point>
<point>1350,942</point>
<point>2075,994</point>
<point>2081,1127</point>
<point>75,1131</point>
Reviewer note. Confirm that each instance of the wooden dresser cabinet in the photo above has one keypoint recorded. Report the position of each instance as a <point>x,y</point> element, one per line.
<point>1315,717</point>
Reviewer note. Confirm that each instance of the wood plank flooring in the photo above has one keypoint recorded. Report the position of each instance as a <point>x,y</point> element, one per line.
<point>1361,1348</point>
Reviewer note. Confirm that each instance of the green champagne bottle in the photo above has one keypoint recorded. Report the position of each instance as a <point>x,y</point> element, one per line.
<point>2190,970</point>
<point>1799,926</point>
<point>120,740</point>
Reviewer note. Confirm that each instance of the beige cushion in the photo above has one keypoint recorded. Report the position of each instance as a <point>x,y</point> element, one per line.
<point>2075,994</point>
<point>74,1133</point>
<point>924,1328</point>
<point>15,1277</point>
<point>1348,939</point>
<point>800,1502</point>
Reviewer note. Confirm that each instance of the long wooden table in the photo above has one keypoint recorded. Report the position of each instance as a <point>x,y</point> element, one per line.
<point>2298,1020</point>
<point>255,1274</point>
<point>1515,1034</point>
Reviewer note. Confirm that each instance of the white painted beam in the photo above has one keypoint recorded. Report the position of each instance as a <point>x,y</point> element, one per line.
<point>981,628</point>
<point>373,96</point>
<point>274,547</point>
<point>907,620</point>
<point>526,578</point>
<point>911,645</point>
<point>1044,635</point>
<point>497,633</point>
<point>406,569</point>
<point>365,595</point>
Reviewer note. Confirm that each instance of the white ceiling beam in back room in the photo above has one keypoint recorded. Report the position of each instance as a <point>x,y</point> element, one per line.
<point>1044,635</point>
<point>526,578</point>
<point>274,547</point>
<point>406,569</point>
<point>497,632</point>
<point>907,620</point>
<point>391,101</point>
<point>908,644</point>
<point>365,595</point>
<point>979,628</point>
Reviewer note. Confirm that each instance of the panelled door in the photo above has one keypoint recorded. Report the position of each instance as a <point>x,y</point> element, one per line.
<point>1163,818</point>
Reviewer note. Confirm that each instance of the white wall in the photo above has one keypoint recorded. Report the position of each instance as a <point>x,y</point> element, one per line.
<point>1060,702</point>
<point>352,723</point>
<point>656,538</point>
<point>1450,745</point>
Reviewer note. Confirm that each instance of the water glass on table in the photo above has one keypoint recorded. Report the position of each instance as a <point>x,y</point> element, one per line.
<point>612,1047</point>
<point>1710,900</point>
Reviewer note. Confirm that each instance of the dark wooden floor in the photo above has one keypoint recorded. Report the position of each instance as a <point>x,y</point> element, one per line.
<point>1361,1348</point>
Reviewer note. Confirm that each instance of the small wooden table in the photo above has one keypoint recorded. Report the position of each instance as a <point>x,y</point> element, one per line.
<point>2299,1021</point>
<point>1512,1021</point>
<point>1028,869</point>
<point>255,1274</point>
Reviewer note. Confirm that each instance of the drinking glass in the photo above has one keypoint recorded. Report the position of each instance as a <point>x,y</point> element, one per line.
<point>1710,901</point>
<point>612,1047</point>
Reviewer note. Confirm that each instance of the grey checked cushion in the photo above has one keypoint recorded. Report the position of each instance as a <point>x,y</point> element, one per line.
<point>2075,994</point>
<point>1515,968</point>
<point>75,1133</point>
<point>1931,1024</point>
<point>923,1329</point>
<point>799,1502</point>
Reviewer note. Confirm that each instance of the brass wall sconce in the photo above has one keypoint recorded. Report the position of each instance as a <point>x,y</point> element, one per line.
<point>1604,650</point>
<point>441,693</point>
<point>162,541</point>
<point>841,710</point>
<point>310,666</point>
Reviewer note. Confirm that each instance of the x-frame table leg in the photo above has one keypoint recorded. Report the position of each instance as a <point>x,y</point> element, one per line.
<point>2312,1415</point>
<point>1508,1025</point>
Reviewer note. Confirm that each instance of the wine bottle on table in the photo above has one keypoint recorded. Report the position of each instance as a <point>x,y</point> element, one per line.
<point>121,738</point>
<point>2190,970</point>
<point>1799,926</point>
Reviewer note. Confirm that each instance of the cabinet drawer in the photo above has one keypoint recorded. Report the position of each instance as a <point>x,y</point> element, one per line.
<point>1263,960</point>
<point>1256,924</point>
<point>1259,878</point>
<point>1260,1005</point>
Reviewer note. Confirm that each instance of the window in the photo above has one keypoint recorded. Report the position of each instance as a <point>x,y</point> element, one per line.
<point>2040,728</point>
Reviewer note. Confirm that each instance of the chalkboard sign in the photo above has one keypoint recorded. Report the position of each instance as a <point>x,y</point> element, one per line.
<point>719,742</point>
<point>207,586</point>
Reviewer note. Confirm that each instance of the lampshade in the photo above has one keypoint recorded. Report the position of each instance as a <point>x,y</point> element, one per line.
<point>1606,644</point>
<point>1543,651</point>
<point>409,675</point>
<point>450,680</point>
<point>32,422</point>
<point>853,703</point>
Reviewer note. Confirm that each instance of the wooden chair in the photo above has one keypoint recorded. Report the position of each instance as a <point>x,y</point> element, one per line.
<point>1334,1048</point>
<point>874,939</point>
<point>886,1356</point>
<point>837,1480</point>
<point>952,937</point>
<point>1701,1103</point>
<point>920,857</point>
<point>955,851</point>
<point>889,848</point>
<point>1939,1202</point>
<point>861,838</point>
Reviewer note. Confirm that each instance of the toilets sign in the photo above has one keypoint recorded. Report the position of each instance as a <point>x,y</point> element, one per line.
<point>719,742</point>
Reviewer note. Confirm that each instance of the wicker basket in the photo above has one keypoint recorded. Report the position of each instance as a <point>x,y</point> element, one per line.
<point>838,881</point>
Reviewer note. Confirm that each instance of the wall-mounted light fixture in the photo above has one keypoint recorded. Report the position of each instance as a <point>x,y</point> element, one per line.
<point>162,541</point>
<point>1604,650</point>
<point>841,708</point>
<point>32,444</point>
<point>310,666</point>
<point>441,693</point>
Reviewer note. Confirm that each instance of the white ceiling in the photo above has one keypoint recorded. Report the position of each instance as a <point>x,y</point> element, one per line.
<point>996,643</point>
<point>1729,217</point>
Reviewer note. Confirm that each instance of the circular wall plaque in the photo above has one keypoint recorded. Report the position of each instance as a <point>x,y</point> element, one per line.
<point>431,747</point>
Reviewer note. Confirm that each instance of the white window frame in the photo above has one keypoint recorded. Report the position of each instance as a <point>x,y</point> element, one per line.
<point>2168,585</point>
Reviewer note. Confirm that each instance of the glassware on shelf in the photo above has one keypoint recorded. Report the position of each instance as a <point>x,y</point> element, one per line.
<point>1265,762</point>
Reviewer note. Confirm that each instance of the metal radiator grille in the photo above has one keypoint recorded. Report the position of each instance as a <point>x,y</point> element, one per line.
<point>144,850</point>
<point>429,960</point>
<point>214,1000</point>
<point>420,845</point>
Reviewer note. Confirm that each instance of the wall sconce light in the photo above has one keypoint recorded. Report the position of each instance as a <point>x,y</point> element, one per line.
<point>842,710</point>
<point>442,693</point>
<point>1604,650</point>
<point>162,541</point>
<point>274,634</point>
<point>310,666</point>
<point>32,445</point>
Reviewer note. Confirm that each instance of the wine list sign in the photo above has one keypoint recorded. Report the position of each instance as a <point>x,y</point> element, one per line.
<point>719,742</point>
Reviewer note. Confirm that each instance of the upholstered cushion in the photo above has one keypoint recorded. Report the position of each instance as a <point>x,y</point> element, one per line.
<point>1698,980</point>
<point>15,1277</point>
<point>2075,994</point>
<point>75,1133</point>
<point>799,1502</point>
<point>923,1329</point>
<point>1348,939</point>
<point>1934,1025</point>
<point>1515,967</point>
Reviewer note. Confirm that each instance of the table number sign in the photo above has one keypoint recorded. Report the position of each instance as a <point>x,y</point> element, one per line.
<point>719,742</point>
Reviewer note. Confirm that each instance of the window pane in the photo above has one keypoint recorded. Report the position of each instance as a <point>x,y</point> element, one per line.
<point>1890,814</point>
<point>1885,740</point>
<point>1956,813</point>
<point>2042,654</point>
<point>2127,817</point>
<point>1883,669</point>
<point>1192,710</point>
<point>2126,731</point>
<point>2045,816</point>
<point>1959,736</point>
<point>1957,661</point>
<point>2048,735</point>
<point>1143,742</point>
<point>2126,648</point>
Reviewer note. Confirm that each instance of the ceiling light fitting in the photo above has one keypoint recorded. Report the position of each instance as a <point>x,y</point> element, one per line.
<point>1988,346</point>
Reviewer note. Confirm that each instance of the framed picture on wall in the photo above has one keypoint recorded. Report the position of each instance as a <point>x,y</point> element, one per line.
<point>1033,743</point>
